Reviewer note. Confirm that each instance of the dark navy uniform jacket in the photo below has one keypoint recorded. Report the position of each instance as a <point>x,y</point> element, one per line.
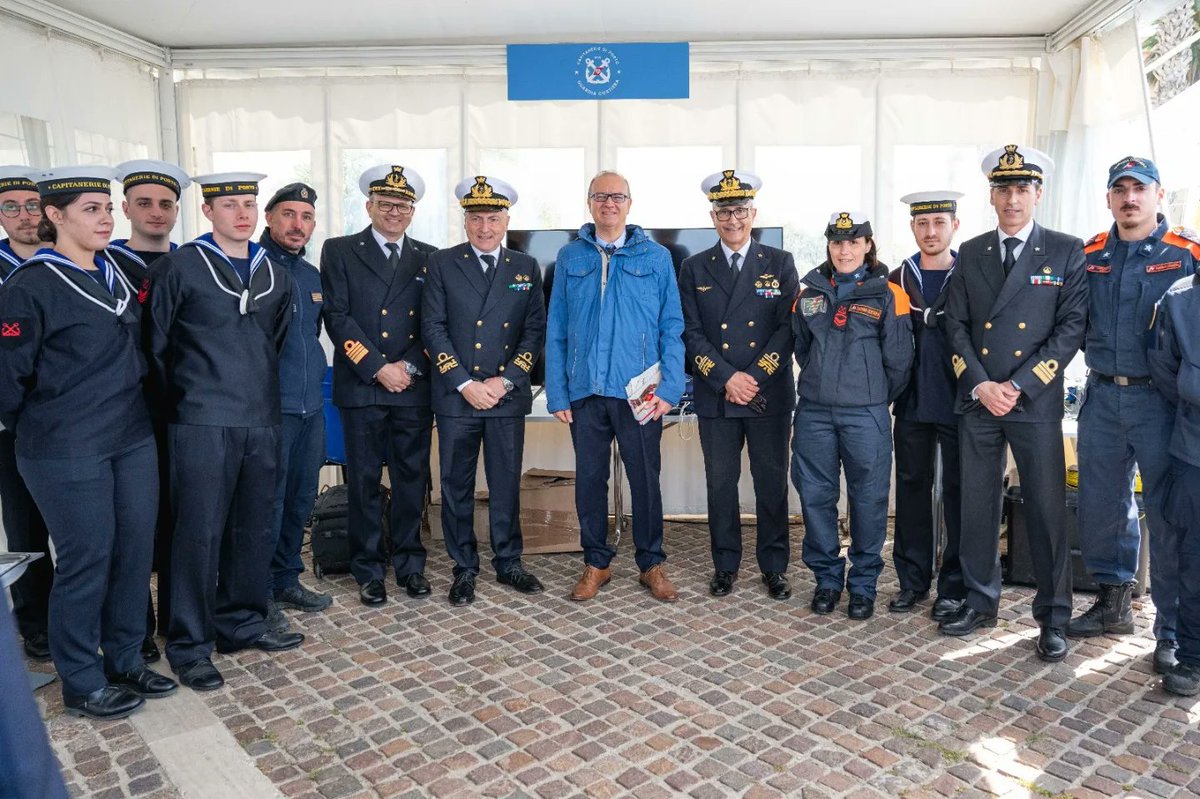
<point>1125,282</point>
<point>302,363</point>
<point>71,364</point>
<point>216,365</point>
<point>135,265</point>
<point>374,317</point>
<point>1174,359</point>
<point>929,395</point>
<point>1024,328</point>
<point>474,330</point>
<point>9,260</point>
<point>856,351</point>
<point>740,324</point>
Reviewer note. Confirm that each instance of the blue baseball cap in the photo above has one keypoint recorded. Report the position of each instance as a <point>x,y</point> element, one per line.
<point>1142,170</point>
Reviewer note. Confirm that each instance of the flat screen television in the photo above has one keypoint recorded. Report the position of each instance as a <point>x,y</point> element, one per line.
<point>544,245</point>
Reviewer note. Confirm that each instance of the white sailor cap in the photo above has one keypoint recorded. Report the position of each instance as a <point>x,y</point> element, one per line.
<point>730,186</point>
<point>392,180</point>
<point>483,192</point>
<point>74,179</point>
<point>1016,164</point>
<point>942,201</point>
<point>147,170</point>
<point>15,177</point>
<point>223,184</point>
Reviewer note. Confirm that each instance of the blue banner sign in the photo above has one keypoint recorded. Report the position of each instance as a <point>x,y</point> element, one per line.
<point>642,71</point>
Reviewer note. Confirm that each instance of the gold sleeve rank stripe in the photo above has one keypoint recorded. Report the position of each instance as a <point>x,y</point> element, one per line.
<point>1046,371</point>
<point>704,364</point>
<point>959,365</point>
<point>354,350</point>
<point>769,363</point>
<point>446,362</point>
<point>524,361</point>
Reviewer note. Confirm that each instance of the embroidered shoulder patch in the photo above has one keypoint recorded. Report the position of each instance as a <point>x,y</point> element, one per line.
<point>811,306</point>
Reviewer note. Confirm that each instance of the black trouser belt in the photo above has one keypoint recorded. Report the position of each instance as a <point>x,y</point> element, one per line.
<point>1121,380</point>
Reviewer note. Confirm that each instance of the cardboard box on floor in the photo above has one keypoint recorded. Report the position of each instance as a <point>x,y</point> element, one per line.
<point>548,519</point>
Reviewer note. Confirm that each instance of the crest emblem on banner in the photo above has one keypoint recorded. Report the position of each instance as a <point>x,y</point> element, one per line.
<point>597,71</point>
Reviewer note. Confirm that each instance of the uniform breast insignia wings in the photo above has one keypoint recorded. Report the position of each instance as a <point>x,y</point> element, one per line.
<point>959,365</point>
<point>354,350</point>
<point>769,362</point>
<point>703,289</point>
<point>446,362</point>
<point>520,283</point>
<point>1046,370</point>
<point>811,306</point>
<point>524,361</point>
<point>866,310</point>
<point>1163,267</point>
<point>704,364</point>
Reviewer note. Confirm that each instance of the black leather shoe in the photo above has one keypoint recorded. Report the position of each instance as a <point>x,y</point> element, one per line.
<point>415,584</point>
<point>297,597</point>
<point>906,600</point>
<point>37,647</point>
<point>967,620</point>
<point>721,583</point>
<point>825,600</point>
<point>200,675</point>
<point>860,607</point>
<point>1164,656</point>
<point>1182,680</point>
<point>145,683</point>
<point>518,578</point>
<point>372,593</point>
<point>109,702</point>
<point>945,608</point>
<point>777,585</point>
<point>277,642</point>
<point>462,591</point>
<point>150,653</point>
<point>1052,644</point>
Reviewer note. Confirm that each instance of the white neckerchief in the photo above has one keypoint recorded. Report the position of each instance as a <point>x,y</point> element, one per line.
<point>54,261</point>
<point>244,296</point>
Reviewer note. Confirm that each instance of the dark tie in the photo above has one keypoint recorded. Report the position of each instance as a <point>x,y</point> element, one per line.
<point>1010,249</point>
<point>394,258</point>
<point>489,267</point>
<point>733,262</point>
<point>609,249</point>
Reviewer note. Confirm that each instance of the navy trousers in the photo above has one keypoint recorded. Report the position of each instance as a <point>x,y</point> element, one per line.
<point>100,511</point>
<point>401,438</point>
<point>26,532</point>
<point>766,438</point>
<point>1120,426</point>
<point>301,454</point>
<point>1183,510</point>
<point>913,549</point>
<point>503,440</point>
<point>596,422</point>
<point>826,440</point>
<point>222,487</point>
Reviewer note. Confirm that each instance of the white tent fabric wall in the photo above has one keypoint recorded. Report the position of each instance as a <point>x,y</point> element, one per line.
<point>74,104</point>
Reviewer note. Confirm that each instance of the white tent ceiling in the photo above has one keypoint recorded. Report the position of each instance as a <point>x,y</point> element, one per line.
<point>242,23</point>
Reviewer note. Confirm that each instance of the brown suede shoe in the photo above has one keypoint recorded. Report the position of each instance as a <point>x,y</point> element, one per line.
<point>655,578</point>
<point>590,582</point>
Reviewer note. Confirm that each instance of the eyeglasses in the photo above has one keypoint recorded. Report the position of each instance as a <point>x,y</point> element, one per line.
<point>386,207</point>
<point>13,210</point>
<point>602,197</point>
<point>725,214</point>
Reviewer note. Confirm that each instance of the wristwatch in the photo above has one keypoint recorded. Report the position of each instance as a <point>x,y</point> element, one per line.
<point>411,370</point>
<point>508,384</point>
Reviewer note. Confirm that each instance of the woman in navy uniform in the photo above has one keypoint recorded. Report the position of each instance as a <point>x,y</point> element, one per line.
<point>854,345</point>
<point>71,373</point>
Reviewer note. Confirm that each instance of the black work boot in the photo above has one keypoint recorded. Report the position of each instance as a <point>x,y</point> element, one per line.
<point>1112,612</point>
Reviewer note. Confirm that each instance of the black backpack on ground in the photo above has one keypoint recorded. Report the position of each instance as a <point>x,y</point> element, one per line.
<point>329,527</point>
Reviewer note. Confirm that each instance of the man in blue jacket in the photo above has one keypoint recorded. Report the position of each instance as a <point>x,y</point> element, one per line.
<point>291,218</point>
<point>614,312</point>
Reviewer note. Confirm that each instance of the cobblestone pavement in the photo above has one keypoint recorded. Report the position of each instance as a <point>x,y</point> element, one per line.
<point>623,696</point>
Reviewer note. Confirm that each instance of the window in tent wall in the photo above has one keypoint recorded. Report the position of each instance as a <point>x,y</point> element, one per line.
<point>25,140</point>
<point>430,221</point>
<point>665,183</point>
<point>550,184</point>
<point>802,186</point>
<point>928,167</point>
<point>281,167</point>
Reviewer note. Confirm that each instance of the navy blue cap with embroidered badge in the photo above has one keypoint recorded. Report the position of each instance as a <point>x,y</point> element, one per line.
<point>1142,170</point>
<point>392,180</point>
<point>943,201</point>
<point>485,193</point>
<point>226,184</point>
<point>1016,164</point>
<point>74,180</point>
<point>17,178</point>
<point>143,171</point>
<point>730,186</point>
<point>293,193</point>
<point>845,225</point>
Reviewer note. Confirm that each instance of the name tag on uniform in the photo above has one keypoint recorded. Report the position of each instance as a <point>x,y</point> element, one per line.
<point>316,297</point>
<point>866,310</point>
<point>1103,270</point>
<point>1164,267</point>
<point>1046,280</point>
